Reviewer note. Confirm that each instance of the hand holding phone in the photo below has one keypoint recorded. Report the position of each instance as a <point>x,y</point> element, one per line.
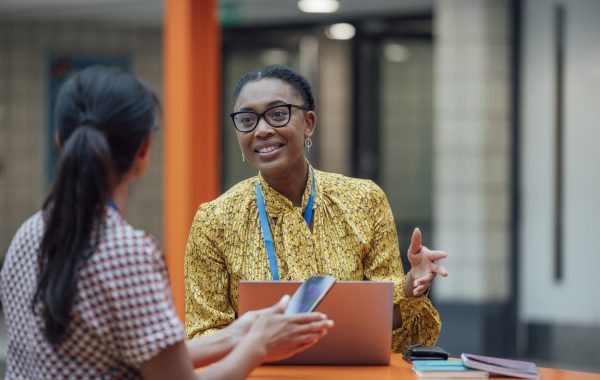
<point>309,294</point>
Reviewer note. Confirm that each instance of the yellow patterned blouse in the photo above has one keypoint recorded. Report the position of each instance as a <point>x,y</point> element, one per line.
<point>353,238</point>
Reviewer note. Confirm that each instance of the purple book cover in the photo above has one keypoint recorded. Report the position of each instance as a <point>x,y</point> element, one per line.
<point>517,368</point>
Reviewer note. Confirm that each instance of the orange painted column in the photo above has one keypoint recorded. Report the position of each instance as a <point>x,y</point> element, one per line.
<point>192,77</point>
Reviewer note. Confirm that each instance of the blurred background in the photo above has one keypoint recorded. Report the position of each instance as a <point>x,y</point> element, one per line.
<point>477,117</point>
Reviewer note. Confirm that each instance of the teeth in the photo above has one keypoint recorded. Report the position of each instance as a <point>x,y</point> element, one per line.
<point>267,149</point>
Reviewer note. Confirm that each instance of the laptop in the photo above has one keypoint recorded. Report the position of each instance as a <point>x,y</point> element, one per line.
<point>361,311</point>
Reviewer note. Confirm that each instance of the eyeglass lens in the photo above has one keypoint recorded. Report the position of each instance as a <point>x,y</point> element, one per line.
<point>275,117</point>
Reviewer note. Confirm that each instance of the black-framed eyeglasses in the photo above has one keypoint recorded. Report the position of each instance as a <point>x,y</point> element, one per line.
<point>277,116</point>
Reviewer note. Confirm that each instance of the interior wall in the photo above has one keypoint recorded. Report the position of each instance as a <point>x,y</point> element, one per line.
<point>471,186</point>
<point>24,49</point>
<point>334,125</point>
<point>544,297</point>
<point>560,315</point>
<point>471,148</point>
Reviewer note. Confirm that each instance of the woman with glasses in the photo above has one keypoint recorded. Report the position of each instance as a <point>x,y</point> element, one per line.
<point>292,221</point>
<point>84,294</point>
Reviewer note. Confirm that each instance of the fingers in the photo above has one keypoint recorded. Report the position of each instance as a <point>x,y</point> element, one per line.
<point>297,328</point>
<point>251,315</point>
<point>308,339</point>
<point>435,255</point>
<point>289,334</point>
<point>425,280</point>
<point>317,327</point>
<point>420,290</point>
<point>415,242</point>
<point>305,340</point>
<point>422,283</point>
<point>442,271</point>
<point>434,267</point>
<point>306,317</point>
<point>295,321</point>
<point>299,347</point>
<point>280,306</point>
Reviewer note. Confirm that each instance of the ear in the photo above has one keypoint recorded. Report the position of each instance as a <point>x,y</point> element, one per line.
<point>142,157</point>
<point>310,120</point>
<point>144,149</point>
<point>57,140</point>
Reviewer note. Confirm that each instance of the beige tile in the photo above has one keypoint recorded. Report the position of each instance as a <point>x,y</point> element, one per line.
<point>24,57</point>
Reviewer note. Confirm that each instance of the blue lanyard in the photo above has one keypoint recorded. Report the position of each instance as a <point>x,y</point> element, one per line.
<point>110,203</point>
<point>266,230</point>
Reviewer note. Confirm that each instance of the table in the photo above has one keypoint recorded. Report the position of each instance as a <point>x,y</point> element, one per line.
<point>398,369</point>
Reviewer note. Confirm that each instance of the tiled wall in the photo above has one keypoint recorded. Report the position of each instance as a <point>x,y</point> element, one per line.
<point>472,148</point>
<point>334,127</point>
<point>24,48</point>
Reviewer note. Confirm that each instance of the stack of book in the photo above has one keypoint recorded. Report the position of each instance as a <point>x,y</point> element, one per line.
<point>499,366</point>
<point>475,366</point>
<point>445,369</point>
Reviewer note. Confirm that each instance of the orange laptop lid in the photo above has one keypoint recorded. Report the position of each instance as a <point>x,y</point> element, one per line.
<point>361,311</point>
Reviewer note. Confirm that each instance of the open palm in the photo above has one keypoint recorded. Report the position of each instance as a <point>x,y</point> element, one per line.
<point>423,262</point>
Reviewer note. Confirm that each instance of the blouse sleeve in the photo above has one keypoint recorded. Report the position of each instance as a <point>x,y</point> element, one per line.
<point>207,304</point>
<point>143,319</point>
<point>420,321</point>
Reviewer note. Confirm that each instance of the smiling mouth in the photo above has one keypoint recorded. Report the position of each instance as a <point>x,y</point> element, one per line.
<point>268,149</point>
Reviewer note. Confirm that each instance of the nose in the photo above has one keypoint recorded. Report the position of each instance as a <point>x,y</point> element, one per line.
<point>263,128</point>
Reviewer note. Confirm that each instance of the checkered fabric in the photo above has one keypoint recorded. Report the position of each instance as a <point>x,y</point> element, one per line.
<point>123,314</point>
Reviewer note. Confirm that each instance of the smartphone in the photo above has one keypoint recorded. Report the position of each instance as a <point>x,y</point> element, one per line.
<point>309,294</point>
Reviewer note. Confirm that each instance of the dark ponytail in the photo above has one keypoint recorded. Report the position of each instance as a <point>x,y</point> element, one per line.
<point>81,189</point>
<point>102,117</point>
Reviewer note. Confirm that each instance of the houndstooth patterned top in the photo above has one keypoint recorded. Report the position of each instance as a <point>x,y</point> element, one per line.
<point>353,238</point>
<point>122,316</point>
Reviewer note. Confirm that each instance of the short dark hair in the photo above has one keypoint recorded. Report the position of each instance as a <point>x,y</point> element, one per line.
<point>283,73</point>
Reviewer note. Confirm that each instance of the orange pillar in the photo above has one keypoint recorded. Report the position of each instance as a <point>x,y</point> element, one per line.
<point>192,170</point>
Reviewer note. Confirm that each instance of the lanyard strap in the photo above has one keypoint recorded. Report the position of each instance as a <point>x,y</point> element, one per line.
<point>110,203</point>
<point>266,230</point>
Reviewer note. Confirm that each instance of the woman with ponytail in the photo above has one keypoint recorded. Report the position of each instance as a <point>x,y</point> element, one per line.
<point>85,295</point>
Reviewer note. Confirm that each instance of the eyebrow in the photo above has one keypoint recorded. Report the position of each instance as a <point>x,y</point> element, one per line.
<point>269,105</point>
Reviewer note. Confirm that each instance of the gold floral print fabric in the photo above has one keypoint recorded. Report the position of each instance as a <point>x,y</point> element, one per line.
<point>353,238</point>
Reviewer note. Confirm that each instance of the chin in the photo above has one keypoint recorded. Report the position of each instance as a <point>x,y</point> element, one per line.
<point>273,168</point>
<point>280,166</point>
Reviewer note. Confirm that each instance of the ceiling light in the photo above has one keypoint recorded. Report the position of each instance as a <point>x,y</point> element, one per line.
<point>318,6</point>
<point>340,31</point>
<point>395,52</point>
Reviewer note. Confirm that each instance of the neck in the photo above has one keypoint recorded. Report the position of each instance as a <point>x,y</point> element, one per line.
<point>291,185</point>
<point>119,195</point>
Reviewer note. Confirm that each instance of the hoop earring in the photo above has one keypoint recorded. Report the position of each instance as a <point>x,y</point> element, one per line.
<point>307,143</point>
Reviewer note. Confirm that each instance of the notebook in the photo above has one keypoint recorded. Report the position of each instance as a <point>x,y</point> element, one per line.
<point>499,366</point>
<point>361,311</point>
<point>446,369</point>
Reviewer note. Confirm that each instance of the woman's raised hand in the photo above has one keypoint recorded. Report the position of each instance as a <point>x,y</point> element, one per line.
<point>424,266</point>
